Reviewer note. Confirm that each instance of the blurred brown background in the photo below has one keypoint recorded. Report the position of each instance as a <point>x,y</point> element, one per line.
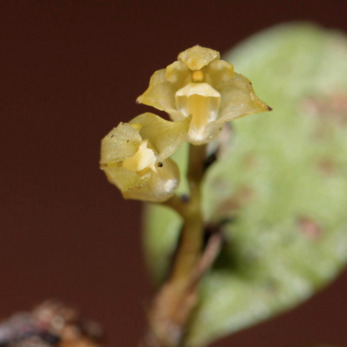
<point>69,72</point>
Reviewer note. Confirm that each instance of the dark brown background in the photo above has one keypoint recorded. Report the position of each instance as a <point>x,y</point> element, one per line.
<point>70,71</point>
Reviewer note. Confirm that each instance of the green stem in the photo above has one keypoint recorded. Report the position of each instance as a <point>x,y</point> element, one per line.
<point>177,203</point>
<point>176,300</point>
<point>190,245</point>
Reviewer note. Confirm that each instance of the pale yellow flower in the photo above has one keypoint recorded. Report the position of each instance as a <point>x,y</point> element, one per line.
<point>135,157</point>
<point>203,86</point>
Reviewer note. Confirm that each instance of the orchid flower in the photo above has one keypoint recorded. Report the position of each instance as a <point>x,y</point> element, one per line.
<point>135,157</point>
<point>203,86</point>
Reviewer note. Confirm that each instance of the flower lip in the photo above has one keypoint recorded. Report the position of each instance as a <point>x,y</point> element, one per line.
<point>199,100</point>
<point>144,158</point>
<point>202,89</point>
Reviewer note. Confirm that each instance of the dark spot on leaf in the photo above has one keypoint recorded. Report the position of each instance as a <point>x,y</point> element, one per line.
<point>228,208</point>
<point>309,227</point>
<point>327,166</point>
<point>272,285</point>
<point>331,107</point>
<point>250,160</point>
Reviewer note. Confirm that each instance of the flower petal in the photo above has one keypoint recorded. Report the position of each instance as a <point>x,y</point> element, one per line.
<point>239,99</point>
<point>120,143</point>
<point>165,136</point>
<point>161,185</point>
<point>160,93</point>
<point>177,73</point>
<point>219,72</point>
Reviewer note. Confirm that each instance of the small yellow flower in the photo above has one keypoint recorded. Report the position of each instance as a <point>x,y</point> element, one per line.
<point>135,157</point>
<point>203,86</point>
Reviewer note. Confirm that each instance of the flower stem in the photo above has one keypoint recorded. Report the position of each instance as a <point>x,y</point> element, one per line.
<point>174,304</point>
<point>192,232</point>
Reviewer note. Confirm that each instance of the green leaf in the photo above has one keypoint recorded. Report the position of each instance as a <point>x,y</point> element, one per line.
<point>282,181</point>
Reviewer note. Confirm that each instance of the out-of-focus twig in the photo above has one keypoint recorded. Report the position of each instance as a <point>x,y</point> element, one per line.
<point>51,324</point>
